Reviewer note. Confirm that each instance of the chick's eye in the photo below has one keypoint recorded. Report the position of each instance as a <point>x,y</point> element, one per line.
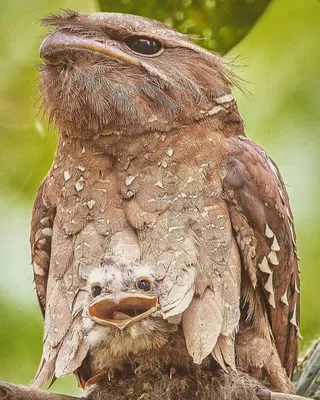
<point>96,291</point>
<point>143,45</point>
<point>144,284</point>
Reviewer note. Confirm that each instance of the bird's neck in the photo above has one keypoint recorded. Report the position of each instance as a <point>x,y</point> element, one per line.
<point>114,143</point>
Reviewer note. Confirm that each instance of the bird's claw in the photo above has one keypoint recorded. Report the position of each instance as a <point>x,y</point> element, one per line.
<point>94,379</point>
<point>172,372</point>
<point>111,374</point>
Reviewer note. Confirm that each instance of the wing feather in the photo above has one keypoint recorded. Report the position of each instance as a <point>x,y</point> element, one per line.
<point>57,282</point>
<point>263,224</point>
<point>40,240</point>
<point>202,323</point>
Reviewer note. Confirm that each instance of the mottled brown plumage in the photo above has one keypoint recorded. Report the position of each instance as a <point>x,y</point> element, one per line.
<point>146,344</point>
<point>225,385</point>
<point>153,166</point>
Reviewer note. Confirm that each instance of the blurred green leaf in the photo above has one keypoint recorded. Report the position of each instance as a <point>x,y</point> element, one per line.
<point>219,24</point>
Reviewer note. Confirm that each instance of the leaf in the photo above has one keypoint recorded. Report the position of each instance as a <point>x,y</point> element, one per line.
<point>221,25</point>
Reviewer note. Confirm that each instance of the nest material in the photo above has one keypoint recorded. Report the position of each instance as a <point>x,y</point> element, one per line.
<point>200,386</point>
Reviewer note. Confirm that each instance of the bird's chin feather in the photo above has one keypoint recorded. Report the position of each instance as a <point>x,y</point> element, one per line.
<point>140,336</point>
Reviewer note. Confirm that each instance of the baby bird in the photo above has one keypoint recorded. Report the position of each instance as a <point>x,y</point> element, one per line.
<point>123,326</point>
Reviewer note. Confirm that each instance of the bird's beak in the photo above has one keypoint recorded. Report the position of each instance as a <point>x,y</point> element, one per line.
<point>60,43</point>
<point>122,309</point>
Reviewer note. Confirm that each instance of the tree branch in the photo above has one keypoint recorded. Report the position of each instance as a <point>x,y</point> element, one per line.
<point>265,394</point>
<point>308,383</point>
<point>9,391</point>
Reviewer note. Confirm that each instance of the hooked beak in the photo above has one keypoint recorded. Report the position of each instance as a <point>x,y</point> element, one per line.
<point>59,44</point>
<point>122,309</point>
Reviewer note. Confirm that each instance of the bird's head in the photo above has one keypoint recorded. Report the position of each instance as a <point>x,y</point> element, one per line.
<point>110,71</point>
<point>120,293</point>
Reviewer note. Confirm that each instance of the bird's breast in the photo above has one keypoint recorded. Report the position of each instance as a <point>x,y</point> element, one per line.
<point>157,198</point>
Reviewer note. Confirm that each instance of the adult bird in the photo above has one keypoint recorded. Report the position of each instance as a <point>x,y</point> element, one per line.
<point>153,166</point>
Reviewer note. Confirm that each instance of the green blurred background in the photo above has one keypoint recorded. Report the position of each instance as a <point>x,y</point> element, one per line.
<point>280,60</point>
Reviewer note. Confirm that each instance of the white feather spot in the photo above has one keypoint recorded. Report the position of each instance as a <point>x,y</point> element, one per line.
<point>264,266</point>
<point>272,257</point>
<point>214,110</point>
<point>296,286</point>
<point>164,164</point>
<point>79,184</point>
<point>268,232</point>
<point>269,285</point>
<point>66,176</point>
<point>284,298</point>
<point>227,98</point>
<point>174,228</point>
<point>129,194</point>
<point>152,118</point>
<point>91,204</point>
<point>293,319</point>
<point>169,152</point>
<point>288,214</point>
<point>292,235</point>
<point>275,245</point>
<point>273,168</point>
<point>272,300</point>
<point>130,179</point>
<point>298,333</point>
<point>159,184</point>
<point>281,194</point>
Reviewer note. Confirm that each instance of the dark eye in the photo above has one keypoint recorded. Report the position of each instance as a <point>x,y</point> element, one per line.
<point>144,284</point>
<point>96,291</point>
<point>143,45</point>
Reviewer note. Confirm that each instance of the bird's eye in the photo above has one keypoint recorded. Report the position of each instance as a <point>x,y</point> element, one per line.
<point>96,290</point>
<point>144,45</point>
<point>144,284</point>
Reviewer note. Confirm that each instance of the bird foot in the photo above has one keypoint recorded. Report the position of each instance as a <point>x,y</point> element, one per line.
<point>94,379</point>
<point>109,375</point>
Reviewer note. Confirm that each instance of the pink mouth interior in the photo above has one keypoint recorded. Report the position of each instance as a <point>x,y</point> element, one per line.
<point>127,308</point>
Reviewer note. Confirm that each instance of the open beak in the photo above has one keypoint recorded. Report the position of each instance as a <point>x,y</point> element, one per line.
<point>122,309</point>
<point>59,44</point>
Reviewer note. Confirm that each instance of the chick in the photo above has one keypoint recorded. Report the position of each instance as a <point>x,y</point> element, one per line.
<point>123,325</point>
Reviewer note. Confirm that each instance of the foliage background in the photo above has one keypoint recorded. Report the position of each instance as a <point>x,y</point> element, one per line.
<point>282,61</point>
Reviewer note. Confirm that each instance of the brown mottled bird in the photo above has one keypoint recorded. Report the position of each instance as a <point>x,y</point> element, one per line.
<point>153,166</point>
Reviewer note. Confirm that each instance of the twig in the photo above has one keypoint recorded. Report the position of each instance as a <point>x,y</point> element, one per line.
<point>265,394</point>
<point>9,391</point>
<point>308,383</point>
